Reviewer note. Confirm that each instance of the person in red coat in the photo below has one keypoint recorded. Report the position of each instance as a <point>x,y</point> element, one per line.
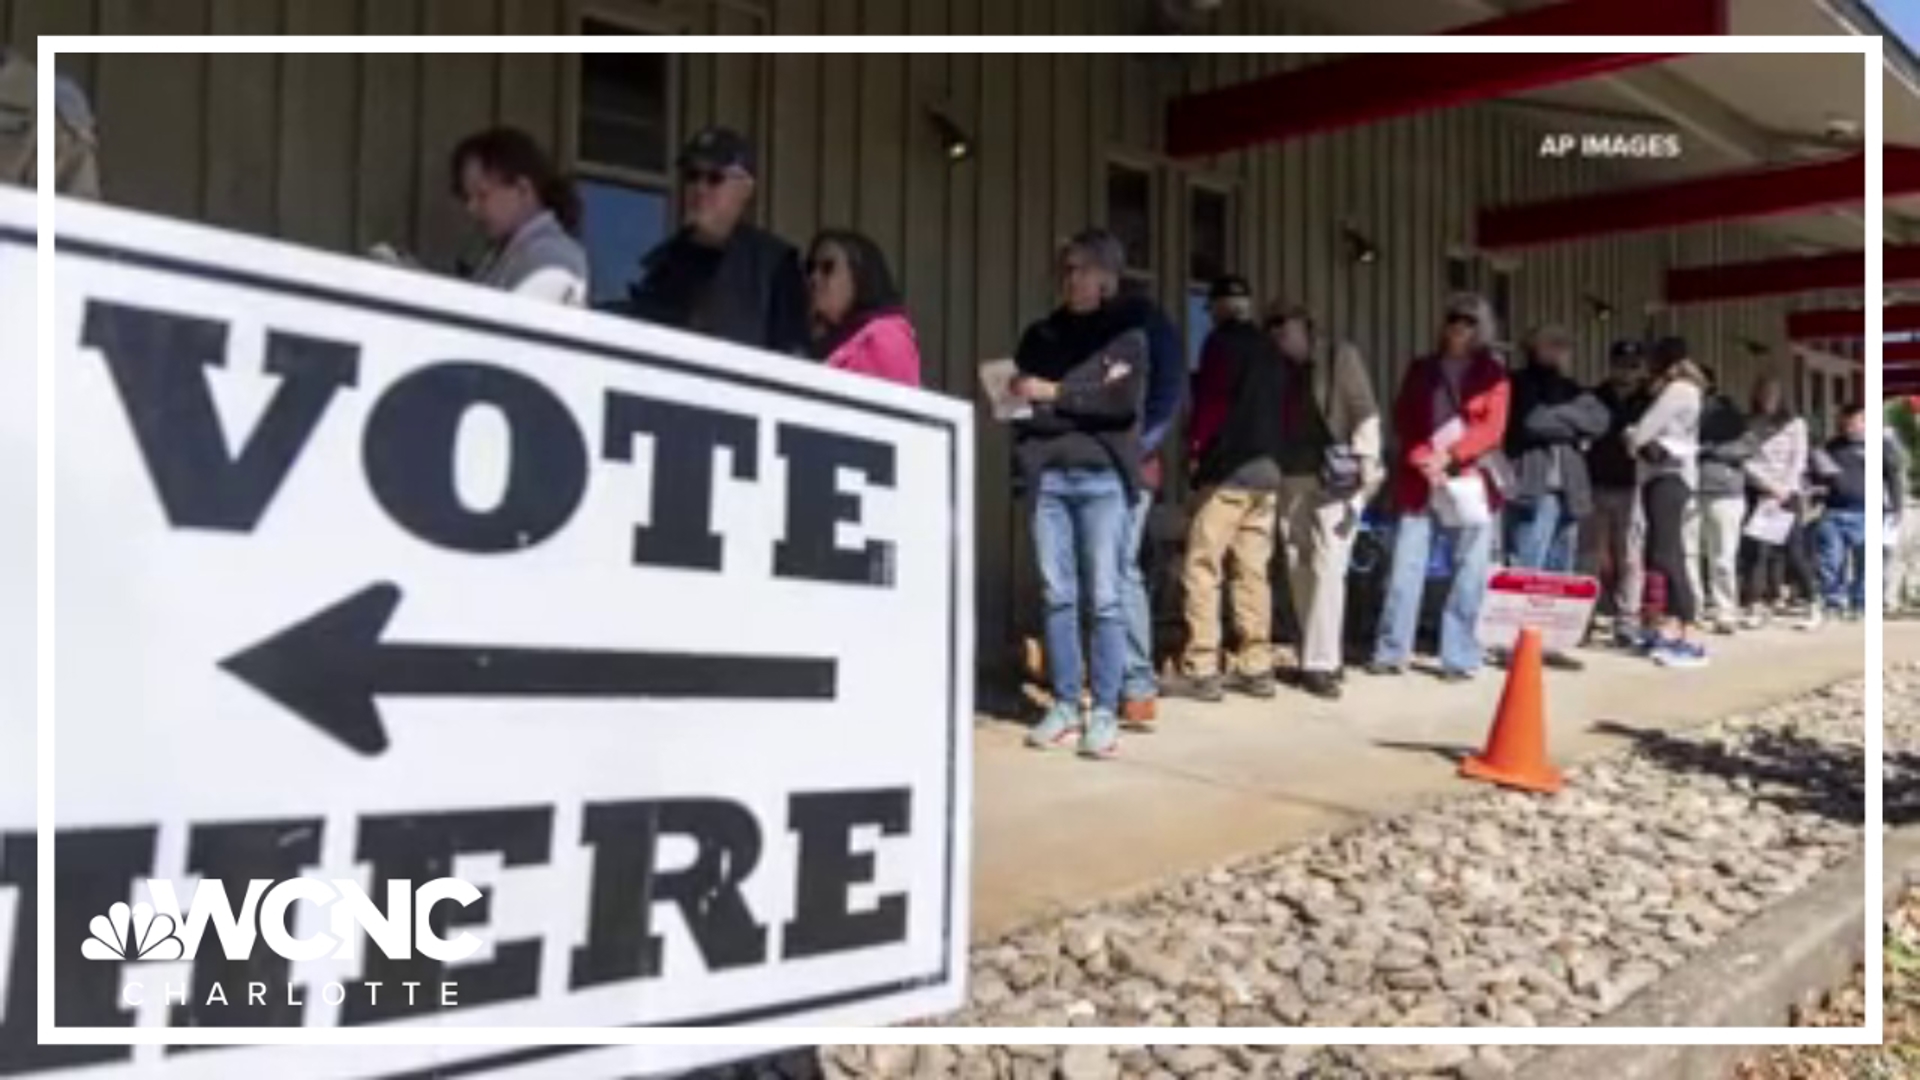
<point>1449,422</point>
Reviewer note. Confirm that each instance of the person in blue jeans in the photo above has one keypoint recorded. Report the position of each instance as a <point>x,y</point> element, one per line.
<point>1840,536</point>
<point>1163,388</point>
<point>1450,415</point>
<point>1554,417</point>
<point>1081,369</point>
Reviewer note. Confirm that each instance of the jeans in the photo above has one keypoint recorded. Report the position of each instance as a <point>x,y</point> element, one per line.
<point>1459,648</point>
<point>1541,535</point>
<point>1079,524</point>
<point>1840,538</point>
<point>1138,684</point>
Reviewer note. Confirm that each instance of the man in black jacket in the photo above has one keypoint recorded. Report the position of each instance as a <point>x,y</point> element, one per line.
<point>1840,536</point>
<point>1235,441</point>
<point>1553,417</point>
<point>720,275</point>
<point>1612,543</point>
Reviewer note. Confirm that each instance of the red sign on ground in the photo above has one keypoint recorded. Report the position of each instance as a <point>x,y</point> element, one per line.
<point>1558,605</point>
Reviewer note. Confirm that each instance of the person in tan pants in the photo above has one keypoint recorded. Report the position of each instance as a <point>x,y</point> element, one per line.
<point>1329,466</point>
<point>1234,439</point>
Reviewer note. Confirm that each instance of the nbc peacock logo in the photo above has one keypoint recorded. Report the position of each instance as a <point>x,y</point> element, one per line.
<point>134,933</point>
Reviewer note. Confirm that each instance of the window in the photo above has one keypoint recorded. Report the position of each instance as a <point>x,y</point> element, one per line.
<point>1130,214</point>
<point>625,155</point>
<point>1209,256</point>
<point>1208,252</point>
<point>1502,302</point>
<point>1459,274</point>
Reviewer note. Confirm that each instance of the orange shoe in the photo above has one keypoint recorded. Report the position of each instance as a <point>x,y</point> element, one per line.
<point>1140,712</point>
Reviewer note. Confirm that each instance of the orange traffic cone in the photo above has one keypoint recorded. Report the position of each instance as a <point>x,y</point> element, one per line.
<point>1516,753</point>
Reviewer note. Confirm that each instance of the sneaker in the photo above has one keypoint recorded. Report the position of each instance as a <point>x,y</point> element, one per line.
<point>1757,619</point>
<point>1454,675</point>
<point>1139,712</point>
<point>1722,625</point>
<point>1260,685</point>
<point>1629,637</point>
<point>1321,684</point>
<point>1206,688</point>
<point>1812,620</point>
<point>1381,667</point>
<point>1101,739</point>
<point>1059,725</point>
<point>1680,654</point>
<point>1560,661</point>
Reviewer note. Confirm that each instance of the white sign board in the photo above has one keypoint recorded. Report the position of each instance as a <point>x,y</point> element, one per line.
<point>641,663</point>
<point>1560,606</point>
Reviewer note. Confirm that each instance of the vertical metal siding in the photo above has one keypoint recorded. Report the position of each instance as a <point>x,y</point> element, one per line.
<point>343,151</point>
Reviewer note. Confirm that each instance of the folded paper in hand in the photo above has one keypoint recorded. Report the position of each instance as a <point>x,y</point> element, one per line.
<point>996,381</point>
<point>1461,502</point>
<point>1770,523</point>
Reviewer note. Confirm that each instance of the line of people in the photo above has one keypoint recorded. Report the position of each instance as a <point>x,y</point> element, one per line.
<point>1698,515</point>
<point>718,275</point>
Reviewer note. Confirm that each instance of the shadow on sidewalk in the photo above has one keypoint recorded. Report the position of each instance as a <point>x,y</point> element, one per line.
<point>1798,774</point>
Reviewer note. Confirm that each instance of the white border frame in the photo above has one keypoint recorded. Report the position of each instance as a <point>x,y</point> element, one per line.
<point>1869,48</point>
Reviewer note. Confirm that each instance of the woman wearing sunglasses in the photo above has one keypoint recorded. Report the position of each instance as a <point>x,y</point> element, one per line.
<point>1450,419</point>
<point>528,212</point>
<point>858,321</point>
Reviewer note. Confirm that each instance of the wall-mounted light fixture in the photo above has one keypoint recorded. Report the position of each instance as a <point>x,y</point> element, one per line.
<point>954,140</point>
<point>1360,250</point>
<point>1601,311</point>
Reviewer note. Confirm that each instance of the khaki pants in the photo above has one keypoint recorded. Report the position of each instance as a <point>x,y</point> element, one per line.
<point>1317,534</point>
<point>1722,518</point>
<point>1236,522</point>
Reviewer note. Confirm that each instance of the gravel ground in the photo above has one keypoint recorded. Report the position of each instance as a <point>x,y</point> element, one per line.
<point>1494,909</point>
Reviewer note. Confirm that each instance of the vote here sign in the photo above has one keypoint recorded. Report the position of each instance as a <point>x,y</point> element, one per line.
<point>428,659</point>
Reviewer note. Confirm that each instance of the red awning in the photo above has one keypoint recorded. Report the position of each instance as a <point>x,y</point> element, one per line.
<point>1793,274</point>
<point>1733,196</point>
<point>1361,89</point>
<point>1848,323</point>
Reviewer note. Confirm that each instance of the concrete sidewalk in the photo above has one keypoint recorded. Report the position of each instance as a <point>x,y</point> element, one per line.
<point>1212,783</point>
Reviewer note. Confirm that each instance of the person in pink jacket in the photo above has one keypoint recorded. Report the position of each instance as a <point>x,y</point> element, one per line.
<point>859,323</point>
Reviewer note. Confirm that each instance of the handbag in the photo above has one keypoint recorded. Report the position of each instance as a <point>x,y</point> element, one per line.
<point>1342,474</point>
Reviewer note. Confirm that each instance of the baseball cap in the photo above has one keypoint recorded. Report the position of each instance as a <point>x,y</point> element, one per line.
<point>1230,287</point>
<point>1627,351</point>
<point>1669,349</point>
<point>718,148</point>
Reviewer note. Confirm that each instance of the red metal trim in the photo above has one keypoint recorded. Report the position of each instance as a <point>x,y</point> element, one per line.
<point>1895,352</point>
<point>1734,196</point>
<point>1849,323</point>
<point>1794,274</point>
<point>1360,89</point>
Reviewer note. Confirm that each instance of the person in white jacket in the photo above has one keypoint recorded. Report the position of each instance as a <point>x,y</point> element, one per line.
<point>1776,477</point>
<point>528,213</point>
<point>1666,445</point>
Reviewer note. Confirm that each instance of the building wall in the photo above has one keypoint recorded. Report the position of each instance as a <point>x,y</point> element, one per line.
<point>342,151</point>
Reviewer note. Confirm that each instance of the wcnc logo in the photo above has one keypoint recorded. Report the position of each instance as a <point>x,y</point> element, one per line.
<point>158,931</point>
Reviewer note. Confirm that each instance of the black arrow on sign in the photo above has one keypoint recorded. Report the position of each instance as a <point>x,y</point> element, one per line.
<point>330,668</point>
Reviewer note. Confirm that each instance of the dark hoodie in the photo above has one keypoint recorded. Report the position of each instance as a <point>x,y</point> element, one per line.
<point>1840,467</point>
<point>1238,403</point>
<point>1100,360</point>
<point>1610,464</point>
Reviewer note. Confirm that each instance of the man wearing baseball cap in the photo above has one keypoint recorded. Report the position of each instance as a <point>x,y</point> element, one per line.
<point>720,275</point>
<point>1235,441</point>
<point>1611,541</point>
